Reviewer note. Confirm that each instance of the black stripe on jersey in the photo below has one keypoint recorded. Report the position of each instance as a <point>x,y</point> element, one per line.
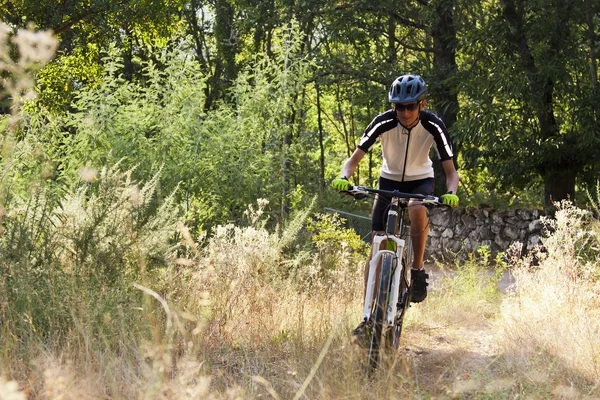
<point>380,124</point>
<point>434,125</point>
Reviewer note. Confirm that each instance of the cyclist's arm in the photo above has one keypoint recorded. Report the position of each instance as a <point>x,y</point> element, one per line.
<point>352,162</point>
<point>451,176</point>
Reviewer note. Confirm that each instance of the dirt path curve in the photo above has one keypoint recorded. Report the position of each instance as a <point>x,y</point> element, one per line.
<point>458,358</point>
<point>450,361</point>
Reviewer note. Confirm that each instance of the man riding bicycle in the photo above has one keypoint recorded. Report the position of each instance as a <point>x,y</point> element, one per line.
<point>407,132</point>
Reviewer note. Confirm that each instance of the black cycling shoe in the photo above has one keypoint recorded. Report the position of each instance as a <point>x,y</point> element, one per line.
<point>361,334</point>
<point>418,285</point>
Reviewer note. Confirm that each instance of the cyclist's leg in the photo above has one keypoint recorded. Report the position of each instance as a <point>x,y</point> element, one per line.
<point>419,221</point>
<point>378,219</point>
<point>419,229</point>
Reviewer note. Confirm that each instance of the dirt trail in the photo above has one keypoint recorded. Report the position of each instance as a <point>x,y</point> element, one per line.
<point>458,358</point>
<point>453,360</point>
<point>435,274</point>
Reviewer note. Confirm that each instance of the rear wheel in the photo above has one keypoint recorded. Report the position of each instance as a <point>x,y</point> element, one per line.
<point>379,311</point>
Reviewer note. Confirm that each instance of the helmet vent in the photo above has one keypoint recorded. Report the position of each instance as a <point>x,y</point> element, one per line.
<point>407,89</point>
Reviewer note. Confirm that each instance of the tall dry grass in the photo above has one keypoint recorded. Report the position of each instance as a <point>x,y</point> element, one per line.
<point>540,338</point>
<point>549,330</point>
<point>255,313</point>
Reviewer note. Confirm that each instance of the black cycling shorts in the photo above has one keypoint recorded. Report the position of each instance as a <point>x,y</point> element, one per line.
<point>379,214</point>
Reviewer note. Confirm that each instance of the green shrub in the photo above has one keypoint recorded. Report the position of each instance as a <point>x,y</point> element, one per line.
<point>219,161</point>
<point>338,251</point>
<point>72,263</point>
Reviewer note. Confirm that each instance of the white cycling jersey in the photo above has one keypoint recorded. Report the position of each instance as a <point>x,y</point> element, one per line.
<point>406,151</point>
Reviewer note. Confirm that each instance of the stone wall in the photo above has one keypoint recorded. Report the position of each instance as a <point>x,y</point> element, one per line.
<point>463,230</point>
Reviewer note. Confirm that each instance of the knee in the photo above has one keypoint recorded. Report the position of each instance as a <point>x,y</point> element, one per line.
<point>418,213</point>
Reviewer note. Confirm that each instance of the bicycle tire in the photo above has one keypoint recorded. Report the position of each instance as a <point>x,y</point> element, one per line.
<point>379,310</point>
<point>395,332</point>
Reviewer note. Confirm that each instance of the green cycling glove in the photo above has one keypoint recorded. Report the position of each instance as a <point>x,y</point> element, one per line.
<point>341,183</point>
<point>450,199</point>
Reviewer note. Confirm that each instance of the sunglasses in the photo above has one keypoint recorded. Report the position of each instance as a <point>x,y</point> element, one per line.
<point>409,107</point>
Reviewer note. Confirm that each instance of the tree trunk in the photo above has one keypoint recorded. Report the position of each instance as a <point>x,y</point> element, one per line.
<point>349,146</point>
<point>559,179</point>
<point>558,186</point>
<point>444,60</point>
<point>392,56</point>
<point>443,34</point>
<point>225,68</point>
<point>195,30</point>
<point>321,144</point>
<point>593,52</point>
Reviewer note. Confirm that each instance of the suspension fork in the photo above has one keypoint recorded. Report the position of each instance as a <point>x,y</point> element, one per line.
<point>395,247</point>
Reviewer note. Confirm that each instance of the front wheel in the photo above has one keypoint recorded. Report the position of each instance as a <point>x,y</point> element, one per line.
<point>379,310</point>
<point>393,335</point>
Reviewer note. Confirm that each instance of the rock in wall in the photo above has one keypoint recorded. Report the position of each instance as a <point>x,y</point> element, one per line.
<point>463,230</point>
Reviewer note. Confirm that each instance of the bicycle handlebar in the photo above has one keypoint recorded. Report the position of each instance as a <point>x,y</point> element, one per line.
<point>360,192</point>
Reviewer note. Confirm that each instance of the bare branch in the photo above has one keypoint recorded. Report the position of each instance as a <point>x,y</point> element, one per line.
<point>370,8</point>
<point>350,73</point>
<point>86,15</point>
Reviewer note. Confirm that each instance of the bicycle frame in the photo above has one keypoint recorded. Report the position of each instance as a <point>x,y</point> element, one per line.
<point>381,309</point>
<point>395,222</point>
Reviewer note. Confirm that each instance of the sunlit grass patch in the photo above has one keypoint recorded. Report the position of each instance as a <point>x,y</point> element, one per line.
<point>466,294</point>
<point>551,322</point>
<point>268,313</point>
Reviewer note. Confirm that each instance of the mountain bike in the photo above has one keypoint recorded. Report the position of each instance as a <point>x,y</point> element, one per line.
<point>388,297</point>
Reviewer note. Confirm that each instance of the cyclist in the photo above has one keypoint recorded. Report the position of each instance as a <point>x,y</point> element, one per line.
<point>407,132</point>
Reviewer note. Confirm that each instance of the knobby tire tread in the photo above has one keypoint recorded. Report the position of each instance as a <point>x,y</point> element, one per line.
<point>395,332</point>
<point>378,314</point>
<point>404,299</point>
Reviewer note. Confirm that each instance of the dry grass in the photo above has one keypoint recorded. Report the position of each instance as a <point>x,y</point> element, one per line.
<point>550,324</point>
<point>269,322</point>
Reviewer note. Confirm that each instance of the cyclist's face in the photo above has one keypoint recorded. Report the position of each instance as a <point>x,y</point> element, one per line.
<point>408,113</point>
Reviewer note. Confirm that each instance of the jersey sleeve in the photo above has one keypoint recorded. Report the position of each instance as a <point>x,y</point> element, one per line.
<point>437,128</point>
<point>380,124</point>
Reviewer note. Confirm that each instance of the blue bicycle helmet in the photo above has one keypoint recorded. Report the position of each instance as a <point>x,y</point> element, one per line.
<point>407,89</point>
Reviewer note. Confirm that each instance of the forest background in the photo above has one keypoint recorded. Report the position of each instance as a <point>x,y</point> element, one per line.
<point>236,100</point>
<point>137,132</point>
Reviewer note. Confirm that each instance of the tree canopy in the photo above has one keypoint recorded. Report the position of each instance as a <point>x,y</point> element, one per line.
<point>239,99</point>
